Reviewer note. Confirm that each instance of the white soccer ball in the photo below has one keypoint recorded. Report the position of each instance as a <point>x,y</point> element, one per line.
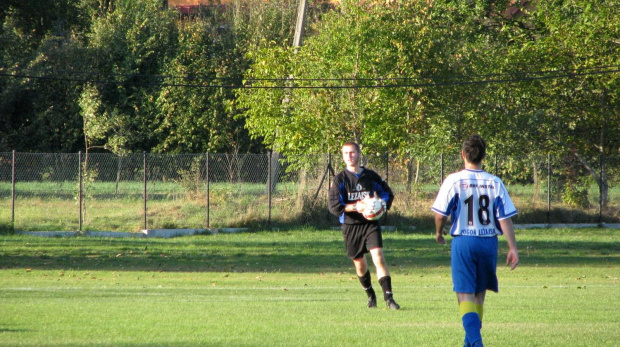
<point>373,208</point>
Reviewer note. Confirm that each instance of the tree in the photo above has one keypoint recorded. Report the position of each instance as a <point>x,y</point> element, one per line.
<point>568,108</point>
<point>357,53</point>
<point>199,118</point>
<point>315,120</point>
<point>130,46</point>
<point>39,48</point>
<point>526,75</point>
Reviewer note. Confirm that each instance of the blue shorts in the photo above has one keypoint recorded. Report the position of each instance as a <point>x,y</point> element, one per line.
<point>474,264</point>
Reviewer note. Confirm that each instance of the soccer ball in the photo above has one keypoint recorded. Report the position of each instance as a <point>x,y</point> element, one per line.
<point>373,208</point>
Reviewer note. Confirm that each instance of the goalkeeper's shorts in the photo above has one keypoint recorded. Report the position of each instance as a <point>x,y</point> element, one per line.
<point>360,238</point>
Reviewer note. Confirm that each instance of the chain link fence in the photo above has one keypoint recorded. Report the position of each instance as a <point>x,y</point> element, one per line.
<point>106,192</point>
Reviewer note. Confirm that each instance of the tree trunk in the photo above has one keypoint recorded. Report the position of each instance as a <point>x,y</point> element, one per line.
<point>601,180</point>
<point>118,173</point>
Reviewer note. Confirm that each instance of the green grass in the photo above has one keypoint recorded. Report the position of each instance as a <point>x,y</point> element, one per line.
<point>297,288</point>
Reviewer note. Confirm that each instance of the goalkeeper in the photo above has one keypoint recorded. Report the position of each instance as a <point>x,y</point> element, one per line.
<point>346,194</point>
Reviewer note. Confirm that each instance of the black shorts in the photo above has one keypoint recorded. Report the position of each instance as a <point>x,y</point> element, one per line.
<point>359,238</point>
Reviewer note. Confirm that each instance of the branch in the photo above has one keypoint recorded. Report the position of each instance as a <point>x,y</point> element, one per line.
<point>587,166</point>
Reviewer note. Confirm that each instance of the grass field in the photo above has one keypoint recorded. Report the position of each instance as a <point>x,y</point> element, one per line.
<point>296,288</point>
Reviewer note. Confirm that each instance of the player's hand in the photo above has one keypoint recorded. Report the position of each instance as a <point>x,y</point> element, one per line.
<point>440,239</point>
<point>360,206</point>
<point>350,208</point>
<point>512,259</point>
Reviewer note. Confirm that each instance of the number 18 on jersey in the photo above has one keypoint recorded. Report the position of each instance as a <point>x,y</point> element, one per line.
<point>475,201</point>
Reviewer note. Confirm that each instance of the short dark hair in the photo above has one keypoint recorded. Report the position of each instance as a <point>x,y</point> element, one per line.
<point>475,149</point>
<point>354,144</point>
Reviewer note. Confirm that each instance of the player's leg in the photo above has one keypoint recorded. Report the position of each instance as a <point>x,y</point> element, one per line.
<point>464,260</point>
<point>385,280</point>
<point>374,242</point>
<point>356,251</point>
<point>379,261</point>
<point>363,274</point>
<point>486,276</point>
<point>471,319</point>
<point>479,300</point>
<point>361,266</point>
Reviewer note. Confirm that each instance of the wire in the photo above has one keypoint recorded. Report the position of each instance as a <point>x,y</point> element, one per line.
<point>345,83</point>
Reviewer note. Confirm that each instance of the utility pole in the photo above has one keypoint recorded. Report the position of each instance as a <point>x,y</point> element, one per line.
<point>274,155</point>
<point>302,8</point>
<point>297,41</point>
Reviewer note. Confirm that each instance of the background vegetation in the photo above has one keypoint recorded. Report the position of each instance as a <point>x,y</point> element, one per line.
<point>409,78</point>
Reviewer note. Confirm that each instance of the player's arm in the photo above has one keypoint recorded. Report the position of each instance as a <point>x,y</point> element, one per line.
<point>334,200</point>
<point>440,222</point>
<point>512,258</point>
<point>384,191</point>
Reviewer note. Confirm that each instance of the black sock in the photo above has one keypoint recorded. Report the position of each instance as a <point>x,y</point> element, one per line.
<point>386,285</point>
<point>367,284</point>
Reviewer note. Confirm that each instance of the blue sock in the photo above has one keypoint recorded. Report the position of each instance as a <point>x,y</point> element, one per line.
<point>471,324</point>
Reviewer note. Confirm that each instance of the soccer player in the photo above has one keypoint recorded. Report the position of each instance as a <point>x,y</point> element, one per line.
<point>360,235</point>
<point>480,209</point>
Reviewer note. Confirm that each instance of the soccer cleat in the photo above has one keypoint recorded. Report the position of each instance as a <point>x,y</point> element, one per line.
<point>391,304</point>
<point>372,301</point>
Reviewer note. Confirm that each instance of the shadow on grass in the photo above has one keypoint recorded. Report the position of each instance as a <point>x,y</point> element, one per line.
<point>564,215</point>
<point>4,330</point>
<point>302,252</point>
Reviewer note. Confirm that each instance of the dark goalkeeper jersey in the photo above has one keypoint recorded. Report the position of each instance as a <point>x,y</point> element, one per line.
<point>348,188</point>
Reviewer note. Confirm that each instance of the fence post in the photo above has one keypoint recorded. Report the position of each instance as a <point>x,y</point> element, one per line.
<point>602,159</point>
<point>548,188</point>
<point>208,191</point>
<point>387,179</point>
<point>495,157</point>
<point>269,188</point>
<point>144,188</point>
<point>329,174</point>
<point>600,188</point>
<point>441,181</point>
<point>80,182</point>
<point>387,166</point>
<point>330,179</point>
<point>13,179</point>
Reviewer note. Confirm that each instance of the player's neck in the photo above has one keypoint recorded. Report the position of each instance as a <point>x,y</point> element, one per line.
<point>472,166</point>
<point>355,169</point>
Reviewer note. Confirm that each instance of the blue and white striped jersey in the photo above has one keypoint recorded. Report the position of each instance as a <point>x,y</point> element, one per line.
<point>476,201</point>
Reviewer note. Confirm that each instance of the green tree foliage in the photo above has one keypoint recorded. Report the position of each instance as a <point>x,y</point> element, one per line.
<point>39,45</point>
<point>461,55</point>
<point>359,53</point>
<point>200,119</point>
<point>529,76</point>
<point>409,77</point>
<point>571,113</point>
<point>129,45</point>
<point>199,58</point>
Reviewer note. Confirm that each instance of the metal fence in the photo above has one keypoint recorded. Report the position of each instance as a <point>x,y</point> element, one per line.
<point>106,192</point>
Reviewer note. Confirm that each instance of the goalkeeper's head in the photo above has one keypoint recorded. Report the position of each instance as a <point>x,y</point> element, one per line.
<point>351,155</point>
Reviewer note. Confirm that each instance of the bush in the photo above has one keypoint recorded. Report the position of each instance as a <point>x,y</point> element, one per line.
<point>576,194</point>
<point>6,228</point>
